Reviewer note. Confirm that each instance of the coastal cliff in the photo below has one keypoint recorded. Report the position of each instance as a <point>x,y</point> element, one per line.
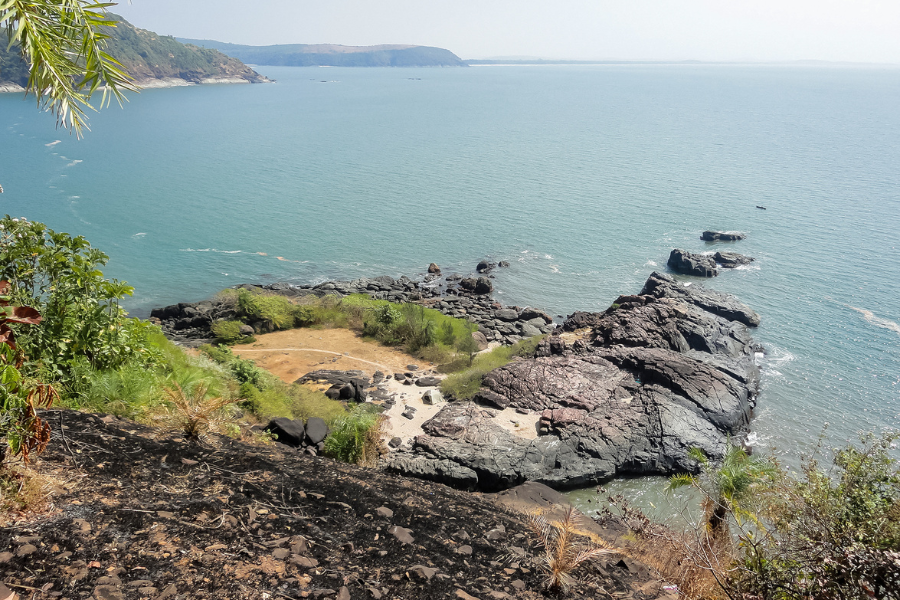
<point>152,60</point>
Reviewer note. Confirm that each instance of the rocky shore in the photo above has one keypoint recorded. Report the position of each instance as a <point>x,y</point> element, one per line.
<point>658,373</point>
<point>627,391</point>
<point>464,297</point>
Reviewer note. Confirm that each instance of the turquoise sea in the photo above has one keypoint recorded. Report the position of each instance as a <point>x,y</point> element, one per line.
<point>583,177</point>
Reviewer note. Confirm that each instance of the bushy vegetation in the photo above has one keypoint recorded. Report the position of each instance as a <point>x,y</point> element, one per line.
<point>825,532</point>
<point>465,384</point>
<point>356,436</point>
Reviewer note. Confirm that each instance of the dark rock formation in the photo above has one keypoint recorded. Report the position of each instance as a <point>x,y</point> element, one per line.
<point>722,236</point>
<point>316,430</point>
<point>485,266</point>
<point>434,269</point>
<point>660,285</point>
<point>692,264</point>
<point>730,260</point>
<point>483,285</point>
<point>662,373</point>
<point>580,320</point>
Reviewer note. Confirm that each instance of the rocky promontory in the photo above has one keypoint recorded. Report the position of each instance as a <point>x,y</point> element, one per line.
<point>659,373</point>
<point>454,295</point>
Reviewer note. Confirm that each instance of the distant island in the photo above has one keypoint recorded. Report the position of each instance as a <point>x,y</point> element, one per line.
<point>153,60</point>
<point>334,55</point>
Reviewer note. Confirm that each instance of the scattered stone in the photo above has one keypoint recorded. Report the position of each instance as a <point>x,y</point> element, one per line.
<point>423,572</point>
<point>26,549</point>
<point>428,381</point>
<point>303,561</point>
<point>395,442</point>
<point>412,368</point>
<point>384,511</point>
<point>343,593</point>
<point>466,550</point>
<point>464,596</point>
<point>403,534</point>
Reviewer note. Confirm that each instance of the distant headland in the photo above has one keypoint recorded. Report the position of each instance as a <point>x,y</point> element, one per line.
<point>334,55</point>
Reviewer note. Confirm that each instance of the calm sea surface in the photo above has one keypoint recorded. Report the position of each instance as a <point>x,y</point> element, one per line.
<point>584,178</point>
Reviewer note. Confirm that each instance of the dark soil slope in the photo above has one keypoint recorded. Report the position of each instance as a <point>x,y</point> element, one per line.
<point>145,514</point>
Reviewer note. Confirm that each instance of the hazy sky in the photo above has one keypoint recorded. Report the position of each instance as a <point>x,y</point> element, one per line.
<point>834,30</point>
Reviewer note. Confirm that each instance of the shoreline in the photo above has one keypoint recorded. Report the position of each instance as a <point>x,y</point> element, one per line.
<point>7,87</point>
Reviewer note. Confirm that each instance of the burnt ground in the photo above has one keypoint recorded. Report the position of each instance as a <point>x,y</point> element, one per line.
<point>147,514</point>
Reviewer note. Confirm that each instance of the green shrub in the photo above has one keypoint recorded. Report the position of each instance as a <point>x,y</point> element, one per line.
<point>465,384</point>
<point>830,533</point>
<point>131,391</point>
<point>355,438</point>
<point>272,310</point>
<point>227,332</point>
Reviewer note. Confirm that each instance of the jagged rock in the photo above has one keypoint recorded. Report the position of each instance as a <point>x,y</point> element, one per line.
<point>692,264</point>
<point>468,284</point>
<point>580,320</point>
<point>660,377</point>
<point>503,264</point>
<point>730,260</point>
<point>530,314</point>
<point>724,236</point>
<point>287,431</point>
<point>727,306</point>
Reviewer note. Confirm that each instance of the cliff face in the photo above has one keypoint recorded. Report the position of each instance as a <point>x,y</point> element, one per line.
<point>333,55</point>
<point>148,57</point>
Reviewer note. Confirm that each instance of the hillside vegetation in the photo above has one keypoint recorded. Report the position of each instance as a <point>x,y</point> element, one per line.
<point>333,55</point>
<point>146,56</point>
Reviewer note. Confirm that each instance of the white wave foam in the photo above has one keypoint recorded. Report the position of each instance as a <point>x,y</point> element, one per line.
<point>554,268</point>
<point>74,197</point>
<point>211,250</point>
<point>53,143</point>
<point>139,235</point>
<point>74,162</point>
<point>747,268</point>
<point>869,316</point>
<point>651,263</point>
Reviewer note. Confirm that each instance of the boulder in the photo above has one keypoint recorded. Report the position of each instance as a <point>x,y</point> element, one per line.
<point>246,330</point>
<point>468,284</point>
<point>730,260</point>
<point>723,236</point>
<point>483,285</point>
<point>434,269</point>
<point>503,264</point>
<point>485,266</point>
<point>692,264</point>
<point>428,381</point>
<point>432,397</point>
<point>507,314</point>
<point>480,339</point>
<point>287,431</point>
<point>316,430</point>
<point>530,314</point>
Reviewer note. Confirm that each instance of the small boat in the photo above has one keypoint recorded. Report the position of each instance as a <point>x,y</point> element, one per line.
<point>761,207</point>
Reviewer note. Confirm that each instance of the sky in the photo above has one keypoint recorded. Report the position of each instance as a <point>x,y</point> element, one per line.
<point>707,30</point>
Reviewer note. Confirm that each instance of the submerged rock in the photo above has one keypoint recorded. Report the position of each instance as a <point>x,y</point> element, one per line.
<point>730,260</point>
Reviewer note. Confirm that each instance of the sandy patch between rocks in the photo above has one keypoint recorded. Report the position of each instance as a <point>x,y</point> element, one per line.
<point>292,354</point>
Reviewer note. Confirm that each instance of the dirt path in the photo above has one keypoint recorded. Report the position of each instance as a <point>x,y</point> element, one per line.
<point>294,353</point>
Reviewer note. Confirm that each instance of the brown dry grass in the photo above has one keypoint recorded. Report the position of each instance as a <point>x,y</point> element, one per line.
<point>25,491</point>
<point>693,561</point>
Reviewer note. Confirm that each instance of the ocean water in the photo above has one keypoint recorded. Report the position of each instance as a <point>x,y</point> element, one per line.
<point>583,177</point>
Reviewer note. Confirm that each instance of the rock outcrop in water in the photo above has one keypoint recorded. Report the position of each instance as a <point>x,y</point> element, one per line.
<point>730,260</point>
<point>722,236</point>
<point>669,369</point>
<point>692,264</point>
